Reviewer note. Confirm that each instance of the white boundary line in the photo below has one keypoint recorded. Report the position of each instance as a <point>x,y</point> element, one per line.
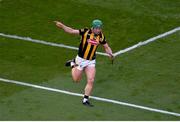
<point>100,53</point>
<point>43,42</point>
<point>96,98</point>
<point>147,41</point>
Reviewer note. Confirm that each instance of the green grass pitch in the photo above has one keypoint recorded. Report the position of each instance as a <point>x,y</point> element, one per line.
<point>147,76</point>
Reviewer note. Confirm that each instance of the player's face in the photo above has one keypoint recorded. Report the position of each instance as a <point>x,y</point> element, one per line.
<point>97,30</point>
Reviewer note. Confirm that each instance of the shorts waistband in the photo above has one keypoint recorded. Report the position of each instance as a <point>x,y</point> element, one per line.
<point>84,58</point>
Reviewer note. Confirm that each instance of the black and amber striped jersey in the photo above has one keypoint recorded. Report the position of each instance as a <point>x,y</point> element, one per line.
<point>89,43</point>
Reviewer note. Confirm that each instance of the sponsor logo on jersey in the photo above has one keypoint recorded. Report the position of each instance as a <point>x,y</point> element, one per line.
<point>92,41</point>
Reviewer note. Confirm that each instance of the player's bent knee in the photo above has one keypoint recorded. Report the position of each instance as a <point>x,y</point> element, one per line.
<point>76,79</point>
<point>76,75</point>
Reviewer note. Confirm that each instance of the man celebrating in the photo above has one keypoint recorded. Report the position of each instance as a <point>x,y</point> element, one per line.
<point>86,58</point>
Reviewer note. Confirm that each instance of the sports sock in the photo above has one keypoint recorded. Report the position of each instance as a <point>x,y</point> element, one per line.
<point>85,98</point>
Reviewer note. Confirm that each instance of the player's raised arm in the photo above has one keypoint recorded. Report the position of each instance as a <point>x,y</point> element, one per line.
<point>66,28</point>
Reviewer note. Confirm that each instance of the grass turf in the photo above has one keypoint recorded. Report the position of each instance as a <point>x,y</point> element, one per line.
<point>146,76</point>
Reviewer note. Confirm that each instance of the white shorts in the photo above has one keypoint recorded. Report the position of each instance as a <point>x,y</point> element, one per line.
<point>82,63</point>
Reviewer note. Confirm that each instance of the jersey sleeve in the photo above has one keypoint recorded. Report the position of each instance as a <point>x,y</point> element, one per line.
<point>103,39</point>
<point>82,31</point>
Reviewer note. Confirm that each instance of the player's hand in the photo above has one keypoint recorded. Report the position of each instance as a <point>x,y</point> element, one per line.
<point>59,24</point>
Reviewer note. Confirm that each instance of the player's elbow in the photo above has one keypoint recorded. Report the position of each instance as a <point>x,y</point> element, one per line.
<point>74,31</point>
<point>71,32</point>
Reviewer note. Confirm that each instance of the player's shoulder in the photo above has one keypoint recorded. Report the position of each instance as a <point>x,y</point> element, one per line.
<point>84,29</point>
<point>102,35</point>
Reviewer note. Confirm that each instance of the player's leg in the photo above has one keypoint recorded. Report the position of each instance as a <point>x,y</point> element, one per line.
<point>76,70</point>
<point>90,72</point>
<point>76,74</point>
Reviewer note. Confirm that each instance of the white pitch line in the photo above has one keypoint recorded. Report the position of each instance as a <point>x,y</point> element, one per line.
<point>43,42</point>
<point>147,41</point>
<point>100,53</point>
<point>92,97</point>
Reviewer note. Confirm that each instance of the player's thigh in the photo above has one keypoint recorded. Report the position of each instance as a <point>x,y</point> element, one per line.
<point>77,74</point>
<point>90,72</point>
